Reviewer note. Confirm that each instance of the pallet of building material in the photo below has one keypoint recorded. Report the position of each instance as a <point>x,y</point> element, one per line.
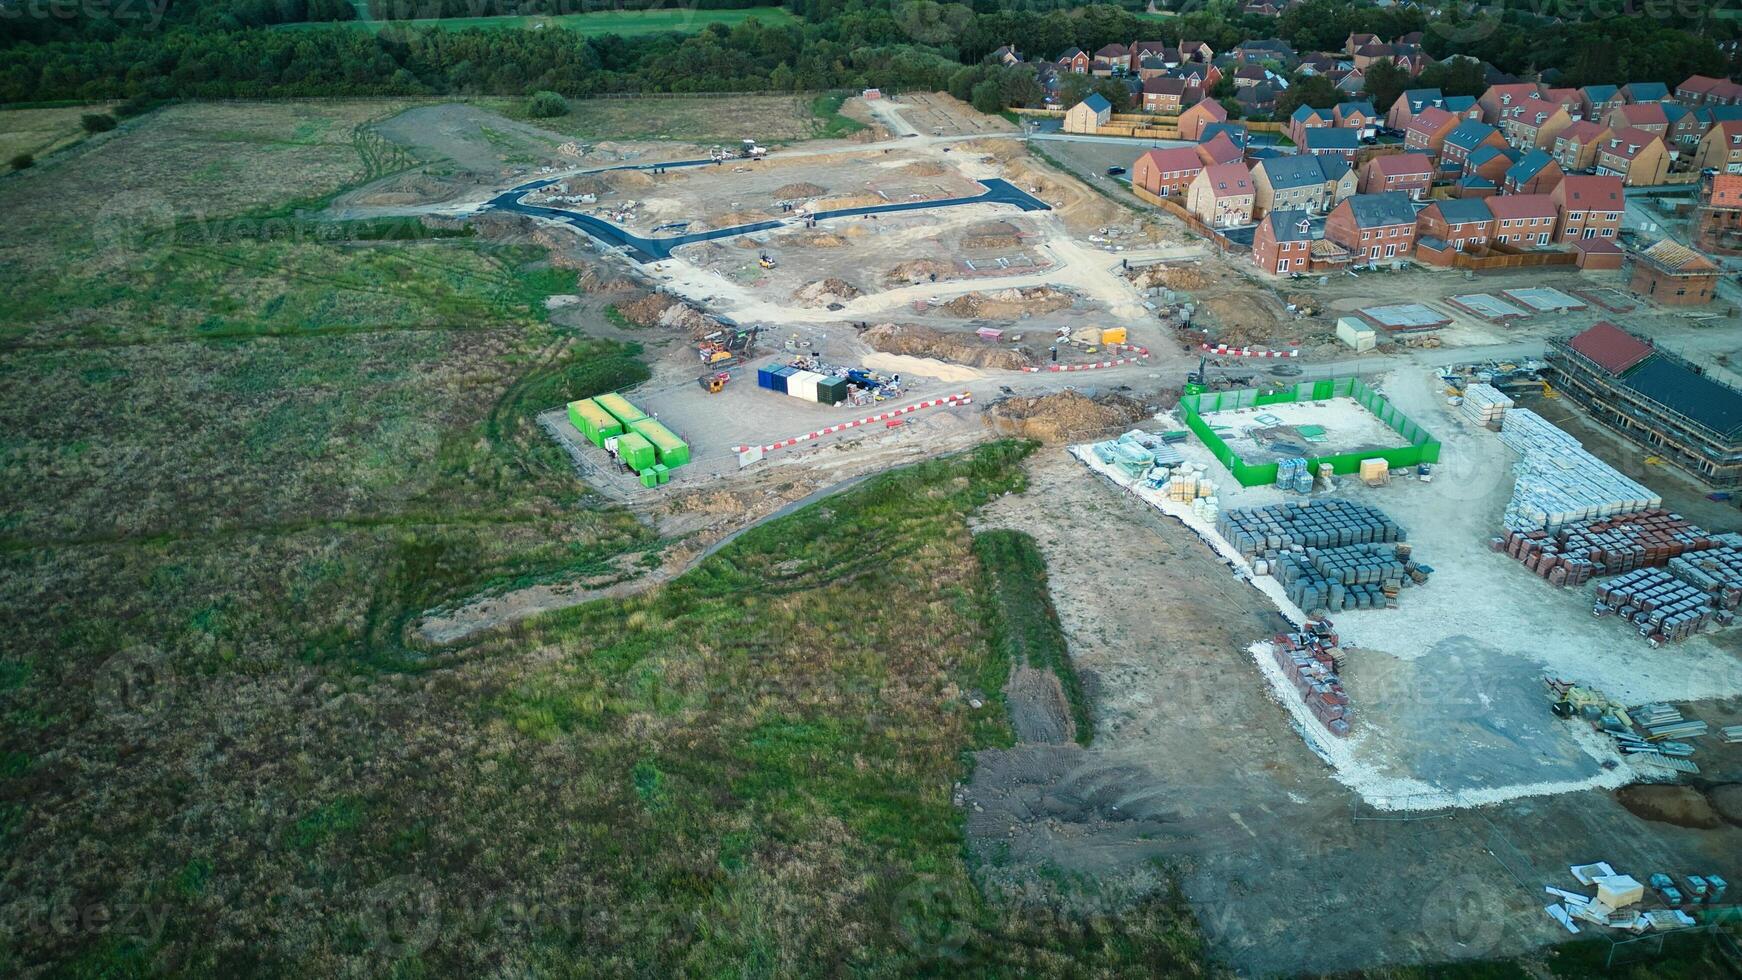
<point>1483,404</point>
<point>1322,523</point>
<point>1558,482</point>
<point>1716,571</point>
<point>1730,734</point>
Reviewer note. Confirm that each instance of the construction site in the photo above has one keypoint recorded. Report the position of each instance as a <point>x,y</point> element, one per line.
<point>1401,596</point>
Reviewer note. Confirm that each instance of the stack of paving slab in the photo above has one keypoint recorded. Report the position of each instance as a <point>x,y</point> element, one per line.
<point>1324,523</point>
<point>1484,405</point>
<point>1327,554</point>
<point>1607,546</point>
<point>1309,662</point>
<point>1362,576</point>
<point>1660,606</point>
<point>1716,571</point>
<point>1558,482</point>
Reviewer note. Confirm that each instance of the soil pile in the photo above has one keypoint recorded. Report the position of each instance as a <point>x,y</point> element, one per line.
<point>660,310</point>
<point>731,218</point>
<point>1064,416</point>
<point>606,183</point>
<point>802,189</point>
<point>1007,304</point>
<point>924,168</point>
<point>819,239</point>
<point>1181,277</point>
<point>918,271</point>
<point>825,291</point>
<point>847,201</point>
<point>991,235</point>
<point>968,349</point>
<point>1682,806</point>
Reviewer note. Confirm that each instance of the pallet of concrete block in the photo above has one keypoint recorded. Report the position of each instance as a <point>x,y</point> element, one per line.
<point>1715,571</point>
<point>1312,670</point>
<point>1484,405</point>
<point>1658,605</point>
<point>1558,482</point>
<point>1322,523</point>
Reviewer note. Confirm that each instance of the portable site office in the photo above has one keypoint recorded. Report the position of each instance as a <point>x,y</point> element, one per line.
<point>672,451</point>
<point>634,449</point>
<point>592,421</point>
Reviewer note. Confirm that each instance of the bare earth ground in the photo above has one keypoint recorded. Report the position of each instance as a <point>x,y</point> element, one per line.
<point>1194,766</point>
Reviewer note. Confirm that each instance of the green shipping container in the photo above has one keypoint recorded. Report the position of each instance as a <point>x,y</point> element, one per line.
<point>832,391</point>
<point>636,451</point>
<point>673,452</point>
<point>649,478</point>
<point>592,421</point>
<point>619,407</point>
<point>663,472</point>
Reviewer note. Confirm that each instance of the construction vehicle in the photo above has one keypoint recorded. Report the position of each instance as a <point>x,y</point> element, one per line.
<point>1548,391</point>
<point>766,261</point>
<point>714,383</point>
<point>1197,382</point>
<point>748,150</point>
<point>726,346</point>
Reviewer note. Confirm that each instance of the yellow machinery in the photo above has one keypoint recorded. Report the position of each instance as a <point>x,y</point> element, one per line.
<point>1548,391</point>
<point>713,384</point>
<point>765,261</point>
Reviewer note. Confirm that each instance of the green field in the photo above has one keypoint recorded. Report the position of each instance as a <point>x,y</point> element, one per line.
<point>624,23</point>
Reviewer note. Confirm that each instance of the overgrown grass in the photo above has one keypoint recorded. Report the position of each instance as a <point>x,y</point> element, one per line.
<point>623,23</point>
<point>1021,620</point>
<point>834,125</point>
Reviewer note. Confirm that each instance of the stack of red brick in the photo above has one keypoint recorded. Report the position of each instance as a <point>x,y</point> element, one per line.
<point>1309,661</point>
<point>1605,546</point>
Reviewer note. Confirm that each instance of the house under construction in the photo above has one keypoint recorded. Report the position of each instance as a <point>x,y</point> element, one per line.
<point>1658,400</point>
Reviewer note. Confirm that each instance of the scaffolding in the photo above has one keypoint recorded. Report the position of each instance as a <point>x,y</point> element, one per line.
<point>1711,456</point>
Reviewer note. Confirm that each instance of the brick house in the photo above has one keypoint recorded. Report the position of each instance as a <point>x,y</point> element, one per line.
<point>1197,51</point>
<point>1500,98</point>
<point>1283,242</point>
<point>1355,115</point>
<point>1597,100</point>
<point>1535,173</point>
<point>1411,173</point>
<point>1639,158</point>
<point>1718,218</point>
<point>1464,223</point>
<point>1648,116</point>
<point>1464,139</point>
<point>1588,207</point>
<point>1523,220</point>
<point>1343,143</point>
<point>1640,92</point>
<point>1306,117</point>
<point>1222,195</point>
<point>1076,61</point>
<point>1374,227</point>
<point>1163,95</point>
<point>1491,163</point>
<point>1427,130</point>
<point>1532,122</point>
<point>1412,101</point>
<point>1219,148</point>
<point>1575,148</point>
<point>1302,182</point>
<point>1113,57</point>
<point>1721,148</point>
<point>1701,90</point>
<point>1355,42</point>
<point>1193,120</point>
<point>1566,98</point>
<point>1166,173</point>
<point>1674,275</point>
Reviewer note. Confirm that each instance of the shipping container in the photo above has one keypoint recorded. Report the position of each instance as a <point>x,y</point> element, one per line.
<point>649,478</point>
<point>634,449</point>
<point>832,391</point>
<point>663,472</point>
<point>765,378</point>
<point>592,421</point>
<point>620,408</point>
<point>671,450</point>
<point>1113,335</point>
<point>803,384</point>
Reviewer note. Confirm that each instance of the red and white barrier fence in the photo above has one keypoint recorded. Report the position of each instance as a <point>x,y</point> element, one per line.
<point>750,454</point>
<point>1223,350</point>
<point>1137,354</point>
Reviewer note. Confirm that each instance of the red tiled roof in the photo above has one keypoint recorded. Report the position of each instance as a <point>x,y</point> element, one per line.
<point>1522,206</point>
<point>1582,192</point>
<point>1398,164</point>
<point>1175,160</point>
<point>1727,190</point>
<point>1613,349</point>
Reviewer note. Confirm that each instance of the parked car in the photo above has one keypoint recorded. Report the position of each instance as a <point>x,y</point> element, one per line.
<point>1115,171</point>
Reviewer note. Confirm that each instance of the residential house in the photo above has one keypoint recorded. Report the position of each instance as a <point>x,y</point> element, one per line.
<point>1374,227</point>
<point>1358,116</point>
<point>1499,98</point>
<point>1474,185</point>
<point>1221,195</point>
<point>1701,90</point>
<point>1316,63</point>
<point>1575,148</point>
<point>1141,50</point>
<point>1522,220</point>
<point>1151,66</point>
<point>1411,173</point>
<point>1246,76</point>
<point>1464,224</point>
<point>1534,173</point>
<point>1111,58</point>
<point>1674,275</point>
<point>1721,148</point>
<point>1686,126</point>
<point>1369,54</point>
<point>1314,184</point>
<point>1649,116</point>
<point>1491,163</point>
<point>1588,207</point>
<point>1638,92</point>
<point>1718,218</point>
<point>1089,115</point>
<point>1596,101</point>
<point>1532,122</point>
<point>1351,82</point>
<point>1639,158</point>
<point>1464,139</point>
<point>1265,49</point>
<point>1199,79</point>
<point>1202,113</point>
<point>1076,61</point>
<point>1163,95</point>
<point>1218,148</point>
<point>1165,173</point>
<point>1006,55</point>
<point>1427,132</point>
<point>1355,42</point>
<point>1337,142</point>
<point>1568,99</point>
<point>1411,102</point>
<point>1283,243</point>
<point>1257,100</point>
<point>1463,106</point>
<point>1306,117</point>
<point>1196,51</point>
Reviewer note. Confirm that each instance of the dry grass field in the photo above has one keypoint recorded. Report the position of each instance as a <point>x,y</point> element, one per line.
<point>766,118</point>
<point>41,131</point>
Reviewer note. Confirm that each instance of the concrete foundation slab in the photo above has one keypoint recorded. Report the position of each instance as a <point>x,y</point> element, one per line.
<point>1488,306</point>
<point>1404,317</point>
<point>1545,299</point>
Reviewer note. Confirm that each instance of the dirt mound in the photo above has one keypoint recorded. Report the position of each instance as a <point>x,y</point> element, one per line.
<point>1246,318</point>
<point>596,280</point>
<point>820,239</point>
<point>1062,417</point>
<point>1182,277</point>
<point>745,241</point>
<point>924,168</point>
<point>848,201</point>
<point>1726,800</point>
<point>731,218</point>
<point>954,348</point>
<point>825,291</point>
<point>1007,304</point>
<point>917,271</point>
<point>802,189</point>
<point>1682,806</point>
<point>660,310</point>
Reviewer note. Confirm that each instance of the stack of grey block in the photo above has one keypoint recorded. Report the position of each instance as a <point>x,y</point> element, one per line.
<point>1361,576</point>
<point>1559,482</point>
<point>1484,404</point>
<point>1327,553</point>
<point>1323,523</point>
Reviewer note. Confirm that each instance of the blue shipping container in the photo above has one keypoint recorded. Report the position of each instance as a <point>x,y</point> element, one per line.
<point>779,376</point>
<point>764,378</point>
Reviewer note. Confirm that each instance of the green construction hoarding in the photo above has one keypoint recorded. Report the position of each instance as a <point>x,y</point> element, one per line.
<point>1421,446</point>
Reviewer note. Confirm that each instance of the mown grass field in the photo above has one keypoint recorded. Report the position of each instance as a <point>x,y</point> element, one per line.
<point>41,131</point>
<point>624,23</point>
<point>765,118</point>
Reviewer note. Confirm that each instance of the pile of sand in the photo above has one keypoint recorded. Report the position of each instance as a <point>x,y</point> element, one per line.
<point>799,191</point>
<point>732,218</point>
<point>825,292</point>
<point>1063,417</point>
<point>954,348</point>
<point>918,271</point>
<point>1007,304</point>
<point>819,239</point>
<point>924,168</point>
<point>745,241</point>
<point>847,201</point>
<point>923,366</point>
